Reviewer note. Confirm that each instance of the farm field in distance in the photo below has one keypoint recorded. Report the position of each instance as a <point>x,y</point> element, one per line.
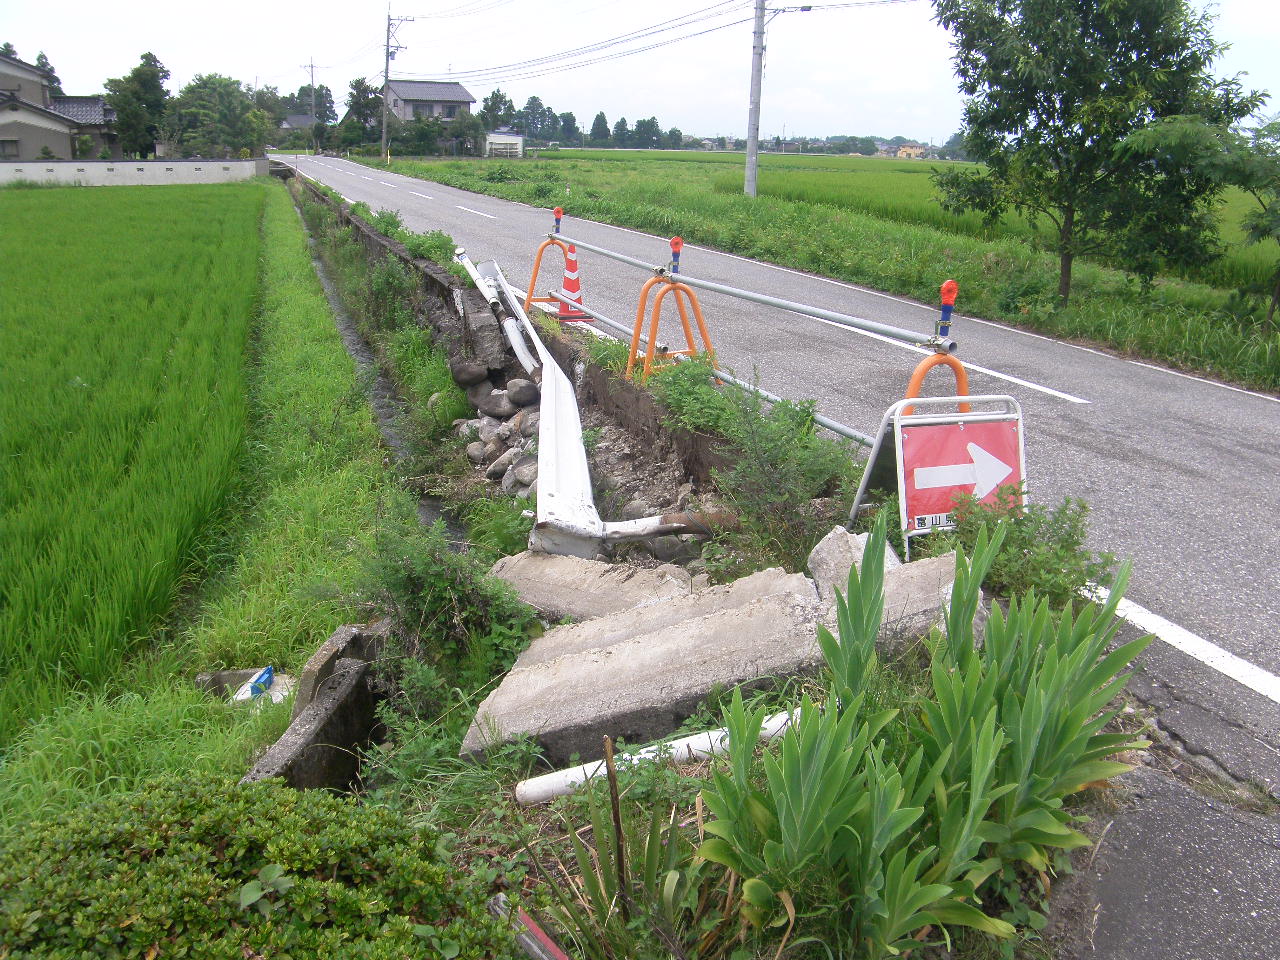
<point>902,190</point>
<point>123,326</point>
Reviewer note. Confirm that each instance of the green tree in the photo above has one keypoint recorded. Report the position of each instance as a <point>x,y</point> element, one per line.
<point>1053,89</point>
<point>600,130</point>
<point>529,118</point>
<point>55,85</point>
<point>647,134</point>
<point>621,133</point>
<point>496,110</point>
<point>215,116</point>
<point>1245,158</point>
<point>569,130</point>
<point>364,107</point>
<point>467,131</point>
<point>418,137</point>
<point>675,138</point>
<point>7,50</point>
<point>268,100</point>
<point>300,103</point>
<point>954,148</point>
<point>140,102</point>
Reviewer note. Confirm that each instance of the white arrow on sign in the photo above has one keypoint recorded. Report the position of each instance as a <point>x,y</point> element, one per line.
<point>985,473</point>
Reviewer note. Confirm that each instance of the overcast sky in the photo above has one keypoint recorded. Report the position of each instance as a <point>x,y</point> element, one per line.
<point>873,70</point>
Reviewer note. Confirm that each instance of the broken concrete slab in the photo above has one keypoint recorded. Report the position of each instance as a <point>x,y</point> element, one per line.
<point>916,596</point>
<point>320,748</point>
<point>356,642</point>
<point>835,554</point>
<point>577,638</point>
<point>641,688</point>
<point>570,587</point>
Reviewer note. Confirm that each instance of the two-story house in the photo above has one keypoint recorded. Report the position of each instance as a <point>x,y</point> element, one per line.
<point>417,99</point>
<point>36,123</point>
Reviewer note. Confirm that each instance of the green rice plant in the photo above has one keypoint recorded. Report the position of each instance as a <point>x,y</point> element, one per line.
<point>124,412</point>
<point>281,569</point>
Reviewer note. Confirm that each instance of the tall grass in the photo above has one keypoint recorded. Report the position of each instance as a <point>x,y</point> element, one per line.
<point>903,191</point>
<point>123,324</point>
<point>1185,324</point>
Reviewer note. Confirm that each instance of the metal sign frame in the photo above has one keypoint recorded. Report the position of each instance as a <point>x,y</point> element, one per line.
<point>926,412</point>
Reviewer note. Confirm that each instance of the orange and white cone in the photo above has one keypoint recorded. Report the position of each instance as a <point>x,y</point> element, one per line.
<point>571,290</point>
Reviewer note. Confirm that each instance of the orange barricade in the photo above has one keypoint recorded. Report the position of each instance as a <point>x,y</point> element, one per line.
<point>927,364</point>
<point>571,287</point>
<point>685,300</point>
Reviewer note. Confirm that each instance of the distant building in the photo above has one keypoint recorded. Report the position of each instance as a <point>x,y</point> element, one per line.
<point>417,99</point>
<point>298,121</point>
<point>910,151</point>
<point>503,142</point>
<point>33,121</point>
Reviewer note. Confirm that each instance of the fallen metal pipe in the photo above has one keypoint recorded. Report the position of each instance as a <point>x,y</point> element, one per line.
<point>941,344</point>
<point>509,326</point>
<point>703,524</point>
<point>700,746</point>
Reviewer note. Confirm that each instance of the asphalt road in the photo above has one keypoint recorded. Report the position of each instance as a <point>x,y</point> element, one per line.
<point>1181,474</point>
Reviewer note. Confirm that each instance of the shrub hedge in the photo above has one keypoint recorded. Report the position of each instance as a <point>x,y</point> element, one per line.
<point>200,870</point>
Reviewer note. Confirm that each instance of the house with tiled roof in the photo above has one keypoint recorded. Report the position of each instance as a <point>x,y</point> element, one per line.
<point>417,99</point>
<point>35,123</point>
<point>298,121</point>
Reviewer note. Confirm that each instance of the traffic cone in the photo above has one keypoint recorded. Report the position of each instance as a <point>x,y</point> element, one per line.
<point>571,290</point>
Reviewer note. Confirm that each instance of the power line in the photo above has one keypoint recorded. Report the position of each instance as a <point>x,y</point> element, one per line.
<point>569,59</point>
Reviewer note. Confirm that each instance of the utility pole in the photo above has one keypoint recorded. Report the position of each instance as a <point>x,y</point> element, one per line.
<point>311,134</point>
<point>390,51</point>
<point>753,115</point>
<point>757,71</point>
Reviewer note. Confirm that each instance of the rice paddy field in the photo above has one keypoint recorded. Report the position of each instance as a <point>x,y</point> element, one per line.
<point>123,328</point>
<point>193,480</point>
<point>902,190</point>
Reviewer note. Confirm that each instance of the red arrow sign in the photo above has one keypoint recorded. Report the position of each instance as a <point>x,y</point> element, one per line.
<point>938,461</point>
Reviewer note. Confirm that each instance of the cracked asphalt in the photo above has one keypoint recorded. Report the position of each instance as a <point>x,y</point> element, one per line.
<point>1182,474</point>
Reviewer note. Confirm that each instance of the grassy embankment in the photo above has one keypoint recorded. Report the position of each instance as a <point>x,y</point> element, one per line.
<point>1183,323</point>
<point>278,539</point>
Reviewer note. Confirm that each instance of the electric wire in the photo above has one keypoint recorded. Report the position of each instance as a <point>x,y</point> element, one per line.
<point>722,8</point>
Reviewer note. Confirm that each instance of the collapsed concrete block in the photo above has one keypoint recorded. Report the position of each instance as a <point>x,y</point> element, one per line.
<point>642,687</point>
<point>835,554</point>
<point>916,596</point>
<point>576,638</point>
<point>570,587</point>
<point>351,641</point>
<point>320,748</point>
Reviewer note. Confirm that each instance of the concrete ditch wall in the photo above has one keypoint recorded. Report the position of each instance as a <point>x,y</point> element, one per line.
<point>120,173</point>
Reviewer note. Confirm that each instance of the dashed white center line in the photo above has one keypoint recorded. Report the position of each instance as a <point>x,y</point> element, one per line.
<point>476,212</point>
<point>385,184</point>
<point>422,195</point>
<point>363,177</point>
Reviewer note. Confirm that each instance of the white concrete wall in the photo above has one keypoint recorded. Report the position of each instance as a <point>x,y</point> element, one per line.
<point>115,173</point>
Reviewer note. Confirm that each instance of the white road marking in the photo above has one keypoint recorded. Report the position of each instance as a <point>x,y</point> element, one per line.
<point>476,212</point>
<point>422,195</point>
<point>385,184</point>
<point>1210,654</point>
<point>1212,383</point>
<point>363,177</point>
<point>1071,398</point>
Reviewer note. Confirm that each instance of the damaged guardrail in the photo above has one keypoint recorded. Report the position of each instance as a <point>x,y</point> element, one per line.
<point>567,521</point>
